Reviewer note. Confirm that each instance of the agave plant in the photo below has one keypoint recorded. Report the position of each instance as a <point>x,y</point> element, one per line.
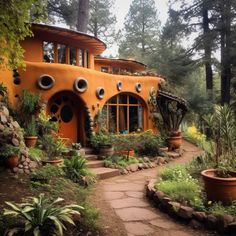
<point>42,217</point>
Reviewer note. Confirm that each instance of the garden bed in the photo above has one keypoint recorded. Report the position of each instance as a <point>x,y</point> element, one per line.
<point>223,223</point>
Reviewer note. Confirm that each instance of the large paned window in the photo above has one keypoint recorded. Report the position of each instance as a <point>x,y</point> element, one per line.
<point>124,114</point>
<point>61,51</point>
<point>48,52</point>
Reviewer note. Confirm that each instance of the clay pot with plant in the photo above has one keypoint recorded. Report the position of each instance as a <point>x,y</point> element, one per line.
<point>220,180</point>
<point>30,133</point>
<point>53,148</point>
<point>11,155</point>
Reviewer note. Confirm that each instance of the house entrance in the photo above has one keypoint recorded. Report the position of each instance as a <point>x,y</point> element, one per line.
<point>68,110</point>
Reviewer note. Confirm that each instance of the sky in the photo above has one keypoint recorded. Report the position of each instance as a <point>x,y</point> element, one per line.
<point>121,8</point>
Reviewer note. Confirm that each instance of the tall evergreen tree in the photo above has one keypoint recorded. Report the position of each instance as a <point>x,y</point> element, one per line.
<point>141,30</point>
<point>83,16</point>
<point>102,20</point>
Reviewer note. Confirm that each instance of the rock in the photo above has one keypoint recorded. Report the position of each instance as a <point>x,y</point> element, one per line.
<point>185,212</point>
<point>3,119</point>
<point>150,191</point>
<point>15,169</point>
<point>133,167</point>
<point>15,124</point>
<point>23,158</point>
<point>25,163</point>
<point>158,196</point>
<point>140,166</point>
<point>224,221</point>
<point>5,111</point>
<point>127,168</point>
<point>27,160</point>
<point>124,171</point>
<point>27,171</point>
<point>200,216</point>
<point>146,159</point>
<point>163,149</point>
<point>196,224</point>
<point>33,164</point>
<point>173,206</point>
<point>21,171</point>
<point>145,166</point>
<point>25,152</point>
<point>15,142</point>
<point>26,167</point>
<point>173,154</point>
<point>160,160</point>
<point>211,222</point>
<point>20,166</point>
<point>2,127</point>
<point>165,201</point>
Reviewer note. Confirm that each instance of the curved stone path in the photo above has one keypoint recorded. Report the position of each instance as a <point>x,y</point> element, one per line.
<point>125,196</point>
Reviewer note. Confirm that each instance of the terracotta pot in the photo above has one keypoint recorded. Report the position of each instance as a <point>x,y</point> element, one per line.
<point>30,141</point>
<point>125,152</point>
<point>52,162</point>
<point>12,161</point>
<point>106,150</point>
<point>174,142</point>
<point>219,189</point>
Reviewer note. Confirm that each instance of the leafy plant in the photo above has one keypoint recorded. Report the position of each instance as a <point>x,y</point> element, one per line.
<point>100,139</point>
<point>36,153</point>
<point>30,128</point>
<point>76,169</point>
<point>52,146</point>
<point>9,150</point>
<point>42,217</point>
<point>29,102</point>
<point>3,89</point>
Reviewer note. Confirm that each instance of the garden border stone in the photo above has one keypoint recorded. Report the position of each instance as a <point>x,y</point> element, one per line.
<point>196,219</point>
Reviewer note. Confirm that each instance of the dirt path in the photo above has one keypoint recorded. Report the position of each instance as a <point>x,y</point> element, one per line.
<point>126,211</point>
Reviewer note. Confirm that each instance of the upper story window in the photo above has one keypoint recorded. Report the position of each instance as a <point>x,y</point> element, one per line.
<point>73,56</point>
<point>115,70</point>
<point>104,69</point>
<point>61,52</point>
<point>48,52</point>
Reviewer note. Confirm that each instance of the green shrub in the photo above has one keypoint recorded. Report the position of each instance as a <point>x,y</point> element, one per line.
<point>76,169</point>
<point>42,217</point>
<point>36,153</point>
<point>179,185</point>
<point>218,209</point>
<point>45,174</point>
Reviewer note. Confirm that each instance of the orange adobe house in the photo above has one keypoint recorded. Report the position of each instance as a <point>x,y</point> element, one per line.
<point>64,67</point>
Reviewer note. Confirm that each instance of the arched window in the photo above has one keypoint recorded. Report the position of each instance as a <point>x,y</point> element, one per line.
<point>123,114</point>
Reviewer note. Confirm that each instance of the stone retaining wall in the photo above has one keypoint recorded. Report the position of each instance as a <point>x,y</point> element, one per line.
<point>196,219</point>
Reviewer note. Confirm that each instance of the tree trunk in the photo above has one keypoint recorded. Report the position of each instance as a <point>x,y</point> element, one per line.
<point>207,50</point>
<point>225,52</point>
<point>83,15</point>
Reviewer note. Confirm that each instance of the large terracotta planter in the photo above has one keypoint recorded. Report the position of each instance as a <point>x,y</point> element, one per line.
<point>126,152</point>
<point>174,142</point>
<point>12,161</point>
<point>219,189</point>
<point>30,141</point>
<point>106,150</point>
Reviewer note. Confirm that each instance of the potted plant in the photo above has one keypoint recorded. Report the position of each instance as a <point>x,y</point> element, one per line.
<point>11,154</point>
<point>220,181</point>
<point>53,147</point>
<point>31,133</point>
<point>102,143</point>
<point>168,112</point>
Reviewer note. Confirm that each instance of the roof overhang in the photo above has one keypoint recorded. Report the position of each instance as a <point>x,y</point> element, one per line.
<point>69,37</point>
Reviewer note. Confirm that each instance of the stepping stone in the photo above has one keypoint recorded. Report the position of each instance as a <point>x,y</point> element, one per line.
<point>164,223</point>
<point>124,187</point>
<point>138,228</point>
<point>95,164</point>
<point>91,157</point>
<point>104,173</point>
<point>173,154</point>
<point>113,195</point>
<point>128,202</point>
<point>135,194</point>
<point>135,214</point>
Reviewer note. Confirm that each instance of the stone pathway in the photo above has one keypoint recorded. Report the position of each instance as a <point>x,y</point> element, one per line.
<point>126,196</point>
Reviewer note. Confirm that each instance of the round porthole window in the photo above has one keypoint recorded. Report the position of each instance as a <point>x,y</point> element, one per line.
<point>66,114</point>
<point>119,85</point>
<point>81,85</point>
<point>138,87</point>
<point>46,82</point>
<point>100,92</point>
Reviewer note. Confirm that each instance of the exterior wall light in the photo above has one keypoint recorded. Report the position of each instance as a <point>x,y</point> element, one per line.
<point>100,92</point>
<point>81,85</point>
<point>46,82</point>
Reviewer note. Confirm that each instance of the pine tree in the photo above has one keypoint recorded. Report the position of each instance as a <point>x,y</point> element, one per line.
<point>141,30</point>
